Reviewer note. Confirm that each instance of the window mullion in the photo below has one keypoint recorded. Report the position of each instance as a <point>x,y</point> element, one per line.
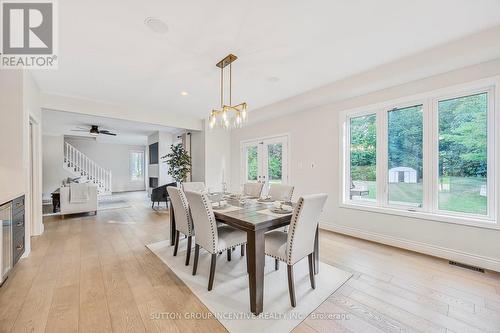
<point>382,164</point>
<point>428,157</point>
<point>492,174</point>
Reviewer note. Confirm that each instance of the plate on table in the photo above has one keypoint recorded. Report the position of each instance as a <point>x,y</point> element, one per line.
<point>219,205</point>
<point>280,210</point>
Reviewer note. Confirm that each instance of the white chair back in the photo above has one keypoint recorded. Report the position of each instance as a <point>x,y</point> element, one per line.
<point>280,192</point>
<point>183,221</point>
<point>253,189</point>
<point>302,230</point>
<point>193,186</point>
<point>203,220</point>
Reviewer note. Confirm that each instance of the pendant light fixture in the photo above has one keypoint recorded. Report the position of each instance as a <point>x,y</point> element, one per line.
<point>229,115</point>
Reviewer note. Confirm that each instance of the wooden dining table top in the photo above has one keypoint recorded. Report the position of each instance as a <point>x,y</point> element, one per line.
<point>248,216</point>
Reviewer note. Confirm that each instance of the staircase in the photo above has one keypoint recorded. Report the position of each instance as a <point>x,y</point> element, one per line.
<point>78,164</point>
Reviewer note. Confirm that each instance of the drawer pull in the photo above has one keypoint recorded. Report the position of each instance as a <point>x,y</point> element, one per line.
<point>20,247</point>
<point>19,224</point>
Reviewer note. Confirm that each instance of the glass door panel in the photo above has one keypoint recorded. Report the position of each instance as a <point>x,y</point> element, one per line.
<point>251,160</point>
<point>266,161</point>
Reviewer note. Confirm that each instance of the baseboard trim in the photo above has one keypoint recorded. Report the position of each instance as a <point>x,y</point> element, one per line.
<point>429,249</point>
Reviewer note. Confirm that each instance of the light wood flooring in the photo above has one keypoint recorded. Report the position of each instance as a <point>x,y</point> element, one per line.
<point>94,274</point>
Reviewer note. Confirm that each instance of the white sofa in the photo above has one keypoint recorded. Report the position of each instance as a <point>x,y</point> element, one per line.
<point>70,207</point>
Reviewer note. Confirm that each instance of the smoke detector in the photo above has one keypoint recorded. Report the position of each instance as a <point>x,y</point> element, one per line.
<point>156,25</point>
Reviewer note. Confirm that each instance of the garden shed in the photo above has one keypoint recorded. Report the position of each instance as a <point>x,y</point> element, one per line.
<point>402,175</point>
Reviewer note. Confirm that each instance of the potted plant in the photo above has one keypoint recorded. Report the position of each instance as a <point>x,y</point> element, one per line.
<point>179,163</point>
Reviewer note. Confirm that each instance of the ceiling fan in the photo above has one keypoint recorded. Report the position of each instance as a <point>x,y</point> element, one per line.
<point>94,130</point>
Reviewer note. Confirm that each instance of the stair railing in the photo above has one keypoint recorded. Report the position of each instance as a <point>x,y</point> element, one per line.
<point>80,164</point>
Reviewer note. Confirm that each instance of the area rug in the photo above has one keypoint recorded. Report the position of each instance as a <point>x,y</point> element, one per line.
<point>229,299</point>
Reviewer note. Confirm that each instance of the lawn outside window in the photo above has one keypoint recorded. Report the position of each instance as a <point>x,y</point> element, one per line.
<point>429,156</point>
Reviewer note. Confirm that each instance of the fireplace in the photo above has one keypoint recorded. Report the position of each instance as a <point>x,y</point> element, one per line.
<point>153,182</point>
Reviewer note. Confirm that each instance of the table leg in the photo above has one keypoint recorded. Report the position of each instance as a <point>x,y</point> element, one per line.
<point>172,225</point>
<point>316,251</point>
<point>256,258</point>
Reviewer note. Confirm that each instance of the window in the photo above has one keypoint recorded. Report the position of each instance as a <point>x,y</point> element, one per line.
<point>136,165</point>
<point>405,155</point>
<point>432,157</point>
<point>363,158</point>
<point>463,154</point>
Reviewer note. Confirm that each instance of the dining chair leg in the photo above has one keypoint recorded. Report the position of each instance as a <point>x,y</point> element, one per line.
<point>242,250</point>
<point>176,246</point>
<point>228,251</point>
<point>291,285</point>
<point>276,264</point>
<point>188,250</point>
<point>212,271</point>
<point>196,255</point>
<point>311,270</point>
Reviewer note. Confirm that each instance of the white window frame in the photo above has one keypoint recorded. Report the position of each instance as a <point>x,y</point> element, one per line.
<point>429,102</point>
<point>143,165</point>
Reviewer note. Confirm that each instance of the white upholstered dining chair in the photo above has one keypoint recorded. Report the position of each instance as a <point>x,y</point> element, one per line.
<point>253,189</point>
<point>183,221</point>
<point>280,192</point>
<point>209,236</point>
<point>298,243</point>
<point>193,186</point>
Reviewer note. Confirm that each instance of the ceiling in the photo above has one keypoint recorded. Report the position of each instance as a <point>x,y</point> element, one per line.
<point>128,132</point>
<point>107,53</point>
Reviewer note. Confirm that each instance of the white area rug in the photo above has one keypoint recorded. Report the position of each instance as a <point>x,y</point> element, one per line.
<point>229,298</point>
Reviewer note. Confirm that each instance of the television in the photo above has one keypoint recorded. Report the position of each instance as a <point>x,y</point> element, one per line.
<point>153,153</point>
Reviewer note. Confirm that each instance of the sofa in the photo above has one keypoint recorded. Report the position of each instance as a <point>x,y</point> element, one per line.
<point>70,204</point>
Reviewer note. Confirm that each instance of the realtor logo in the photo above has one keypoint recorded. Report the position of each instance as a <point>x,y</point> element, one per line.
<point>28,32</point>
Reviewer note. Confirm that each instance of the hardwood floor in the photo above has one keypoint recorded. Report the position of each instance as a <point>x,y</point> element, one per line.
<point>94,274</point>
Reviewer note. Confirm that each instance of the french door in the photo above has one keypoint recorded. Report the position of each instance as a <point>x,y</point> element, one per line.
<point>265,161</point>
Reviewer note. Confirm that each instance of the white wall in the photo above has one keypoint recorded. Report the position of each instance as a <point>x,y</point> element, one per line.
<point>217,158</point>
<point>165,142</point>
<point>18,104</point>
<point>198,156</point>
<point>11,135</point>
<point>53,159</point>
<point>314,139</point>
<point>32,113</point>
<point>159,170</point>
<point>113,157</point>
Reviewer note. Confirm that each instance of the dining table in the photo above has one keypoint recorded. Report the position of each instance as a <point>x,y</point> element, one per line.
<point>253,217</point>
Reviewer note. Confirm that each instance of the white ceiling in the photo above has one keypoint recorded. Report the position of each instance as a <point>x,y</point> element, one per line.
<point>106,53</point>
<point>128,132</point>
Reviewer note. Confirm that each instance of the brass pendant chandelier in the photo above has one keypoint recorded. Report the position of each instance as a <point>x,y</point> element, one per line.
<point>229,115</point>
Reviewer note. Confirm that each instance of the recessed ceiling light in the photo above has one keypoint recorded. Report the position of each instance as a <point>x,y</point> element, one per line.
<point>184,93</point>
<point>273,79</point>
<point>156,25</point>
